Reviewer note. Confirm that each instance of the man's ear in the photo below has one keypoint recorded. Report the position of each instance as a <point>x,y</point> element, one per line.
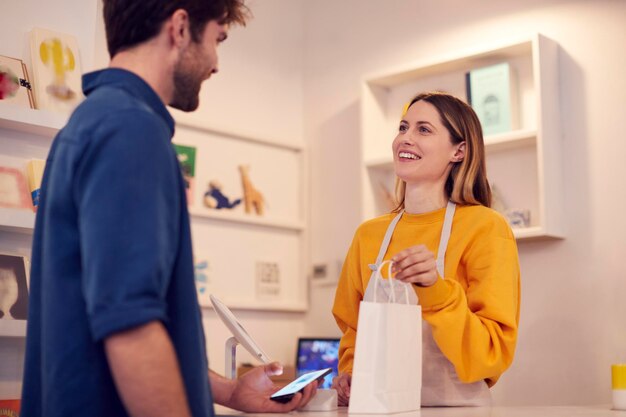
<point>179,30</point>
<point>459,154</point>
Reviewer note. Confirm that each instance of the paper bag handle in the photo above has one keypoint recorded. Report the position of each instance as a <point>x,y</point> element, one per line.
<point>379,276</point>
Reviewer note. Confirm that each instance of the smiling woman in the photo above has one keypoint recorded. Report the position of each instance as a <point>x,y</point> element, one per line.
<point>459,255</point>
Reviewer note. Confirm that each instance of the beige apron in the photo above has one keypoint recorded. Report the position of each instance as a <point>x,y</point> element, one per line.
<point>440,383</point>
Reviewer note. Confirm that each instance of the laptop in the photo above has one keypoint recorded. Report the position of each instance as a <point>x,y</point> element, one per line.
<point>316,353</point>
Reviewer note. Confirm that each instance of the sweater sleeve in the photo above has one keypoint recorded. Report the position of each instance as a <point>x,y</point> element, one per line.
<point>476,327</point>
<point>348,296</point>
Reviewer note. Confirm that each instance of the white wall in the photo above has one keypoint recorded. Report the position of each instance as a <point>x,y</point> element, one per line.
<point>573,319</point>
<point>295,72</point>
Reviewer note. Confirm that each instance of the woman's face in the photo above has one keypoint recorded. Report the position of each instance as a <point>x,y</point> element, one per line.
<point>422,150</point>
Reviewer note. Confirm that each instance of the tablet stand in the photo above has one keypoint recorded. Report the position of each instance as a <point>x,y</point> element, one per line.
<point>231,358</point>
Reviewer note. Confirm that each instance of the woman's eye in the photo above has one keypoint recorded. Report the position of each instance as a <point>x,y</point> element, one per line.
<point>402,128</point>
<point>424,129</point>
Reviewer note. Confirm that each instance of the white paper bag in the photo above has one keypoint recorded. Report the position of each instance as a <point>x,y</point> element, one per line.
<point>387,372</point>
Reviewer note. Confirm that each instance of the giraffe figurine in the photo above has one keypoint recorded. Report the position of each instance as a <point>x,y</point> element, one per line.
<point>251,196</point>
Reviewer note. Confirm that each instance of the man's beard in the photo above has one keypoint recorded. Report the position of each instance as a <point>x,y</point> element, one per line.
<point>186,88</point>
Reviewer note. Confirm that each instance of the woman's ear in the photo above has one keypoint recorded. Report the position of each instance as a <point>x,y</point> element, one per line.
<point>459,153</point>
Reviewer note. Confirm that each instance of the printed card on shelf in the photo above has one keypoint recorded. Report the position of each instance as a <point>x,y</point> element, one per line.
<point>13,186</point>
<point>15,87</point>
<point>34,171</point>
<point>14,280</point>
<point>56,70</point>
<point>10,408</point>
<point>491,91</point>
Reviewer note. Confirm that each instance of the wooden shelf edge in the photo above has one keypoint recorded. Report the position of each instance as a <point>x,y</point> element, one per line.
<point>515,136</point>
<point>535,233</point>
<point>17,220</point>
<point>38,122</point>
<point>186,124</point>
<point>447,62</point>
<point>246,219</point>
<point>12,328</point>
<point>255,305</point>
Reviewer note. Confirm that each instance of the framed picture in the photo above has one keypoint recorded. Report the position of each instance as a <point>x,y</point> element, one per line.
<point>56,70</point>
<point>15,87</point>
<point>14,282</point>
<point>491,91</point>
<point>13,189</point>
<point>187,159</point>
<point>10,408</point>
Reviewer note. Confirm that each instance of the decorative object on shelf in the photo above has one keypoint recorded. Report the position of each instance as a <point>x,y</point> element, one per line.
<point>497,203</point>
<point>34,172</point>
<point>10,408</point>
<point>187,159</point>
<point>491,91</point>
<point>267,279</point>
<point>518,218</point>
<point>56,70</point>
<point>251,196</point>
<point>13,189</point>
<point>215,199</point>
<point>15,85</point>
<point>202,278</point>
<point>13,287</point>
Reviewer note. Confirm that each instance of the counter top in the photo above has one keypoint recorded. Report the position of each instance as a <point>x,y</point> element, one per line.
<point>578,411</point>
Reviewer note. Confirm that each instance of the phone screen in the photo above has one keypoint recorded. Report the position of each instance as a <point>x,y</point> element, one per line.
<point>286,393</point>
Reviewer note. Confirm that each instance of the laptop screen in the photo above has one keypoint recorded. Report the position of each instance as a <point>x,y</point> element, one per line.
<point>318,353</point>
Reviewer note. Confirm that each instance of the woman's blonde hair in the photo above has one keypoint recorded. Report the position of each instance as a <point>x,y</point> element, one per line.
<point>467,183</point>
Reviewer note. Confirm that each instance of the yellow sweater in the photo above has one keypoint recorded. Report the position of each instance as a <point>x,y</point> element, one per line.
<point>473,312</point>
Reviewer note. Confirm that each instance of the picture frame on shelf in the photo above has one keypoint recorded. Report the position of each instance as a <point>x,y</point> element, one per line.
<point>268,283</point>
<point>56,70</point>
<point>492,93</point>
<point>13,186</point>
<point>15,86</point>
<point>10,407</point>
<point>202,277</point>
<point>14,287</point>
<point>187,159</point>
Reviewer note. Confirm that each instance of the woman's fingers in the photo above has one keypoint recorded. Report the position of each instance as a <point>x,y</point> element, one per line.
<point>341,383</point>
<point>415,264</point>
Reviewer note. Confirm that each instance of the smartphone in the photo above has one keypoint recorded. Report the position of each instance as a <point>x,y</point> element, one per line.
<point>285,394</point>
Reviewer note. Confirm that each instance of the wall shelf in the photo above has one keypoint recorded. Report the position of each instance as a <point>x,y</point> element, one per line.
<point>16,220</point>
<point>37,122</point>
<point>12,328</point>
<point>524,163</point>
<point>254,305</point>
<point>238,217</point>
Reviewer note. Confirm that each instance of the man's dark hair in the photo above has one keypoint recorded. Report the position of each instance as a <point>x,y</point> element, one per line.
<point>131,22</point>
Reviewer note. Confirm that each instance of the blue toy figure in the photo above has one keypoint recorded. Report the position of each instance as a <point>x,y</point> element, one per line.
<point>214,198</point>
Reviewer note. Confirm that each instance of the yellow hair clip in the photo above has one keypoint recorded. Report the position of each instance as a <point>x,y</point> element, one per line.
<point>405,108</point>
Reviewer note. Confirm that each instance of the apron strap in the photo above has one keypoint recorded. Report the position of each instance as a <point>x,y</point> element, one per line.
<point>445,237</point>
<point>388,234</point>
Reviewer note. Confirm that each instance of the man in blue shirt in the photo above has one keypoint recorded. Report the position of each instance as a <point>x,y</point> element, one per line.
<point>114,326</point>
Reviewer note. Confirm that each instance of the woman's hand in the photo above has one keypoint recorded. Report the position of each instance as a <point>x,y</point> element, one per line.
<point>342,384</point>
<point>416,265</point>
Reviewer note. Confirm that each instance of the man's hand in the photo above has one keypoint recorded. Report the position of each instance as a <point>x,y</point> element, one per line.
<point>251,392</point>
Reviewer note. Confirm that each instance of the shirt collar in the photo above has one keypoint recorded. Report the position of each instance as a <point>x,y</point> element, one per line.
<point>131,82</point>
